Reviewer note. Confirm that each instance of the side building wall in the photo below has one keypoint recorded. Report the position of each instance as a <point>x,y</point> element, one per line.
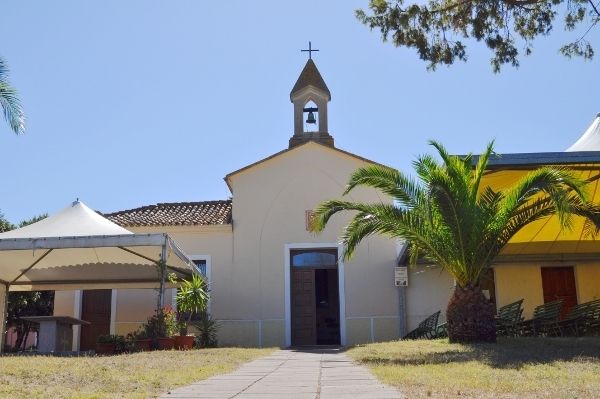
<point>429,290</point>
<point>132,307</point>
<point>524,281</point>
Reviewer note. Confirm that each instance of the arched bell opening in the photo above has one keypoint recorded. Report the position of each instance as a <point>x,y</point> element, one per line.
<point>310,114</point>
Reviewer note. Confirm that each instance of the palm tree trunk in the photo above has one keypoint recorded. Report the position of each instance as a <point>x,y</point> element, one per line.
<point>470,316</point>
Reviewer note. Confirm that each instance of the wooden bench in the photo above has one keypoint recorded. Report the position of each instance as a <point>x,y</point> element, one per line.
<point>508,318</point>
<point>581,319</point>
<point>544,321</point>
<point>426,329</point>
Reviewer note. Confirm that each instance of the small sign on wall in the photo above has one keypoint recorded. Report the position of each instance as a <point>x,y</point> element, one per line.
<point>401,276</point>
<point>309,217</point>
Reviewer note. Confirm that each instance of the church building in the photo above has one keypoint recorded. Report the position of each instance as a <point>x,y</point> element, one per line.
<point>272,281</point>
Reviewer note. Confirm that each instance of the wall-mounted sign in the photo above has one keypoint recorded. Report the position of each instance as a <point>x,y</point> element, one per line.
<point>309,217</point>
<point>401,276</point>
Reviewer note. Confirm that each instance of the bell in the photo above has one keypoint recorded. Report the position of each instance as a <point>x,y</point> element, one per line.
<point>311,118</point>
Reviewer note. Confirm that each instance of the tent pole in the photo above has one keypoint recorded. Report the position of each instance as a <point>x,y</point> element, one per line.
<point>3,310</point>
<point>162,269</point>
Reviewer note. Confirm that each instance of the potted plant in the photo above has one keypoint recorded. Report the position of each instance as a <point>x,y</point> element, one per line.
<point>192,298</point>
<point>141,342</point>
<point>107,344</point>
<point>160,327</point>
<point>168,329</point>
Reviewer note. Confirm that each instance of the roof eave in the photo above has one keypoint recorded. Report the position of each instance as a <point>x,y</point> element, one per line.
<point>534,159</point>
<point>227,178</point>
<point>299,92</point>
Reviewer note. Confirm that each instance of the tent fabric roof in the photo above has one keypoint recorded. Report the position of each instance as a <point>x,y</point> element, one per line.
<point>75,220</point>
<point>79,249</point>
<point>590,140</point>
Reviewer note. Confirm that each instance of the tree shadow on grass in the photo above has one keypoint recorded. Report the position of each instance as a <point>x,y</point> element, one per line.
<point>511,353</point>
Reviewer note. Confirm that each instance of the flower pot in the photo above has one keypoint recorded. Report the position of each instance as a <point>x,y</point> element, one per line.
<point>184,342</point>
<point>166,343</point>
<point>105,348</point>
<point>143,345</point>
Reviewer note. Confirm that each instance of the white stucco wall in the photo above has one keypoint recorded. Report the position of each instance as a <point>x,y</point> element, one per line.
<point>429,290</point>
<point>269,204</point>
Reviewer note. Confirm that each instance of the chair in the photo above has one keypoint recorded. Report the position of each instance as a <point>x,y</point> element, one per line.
<point>426,329</point>
<point>441,331</point>
<point>581,319</point>
<point>508,318</point>
<point>544,321</point>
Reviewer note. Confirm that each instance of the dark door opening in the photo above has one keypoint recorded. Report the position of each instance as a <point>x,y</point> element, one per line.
<point>95,308</point>
<point>559,283</point>
<point>315,300</point>
<point>328,306</point>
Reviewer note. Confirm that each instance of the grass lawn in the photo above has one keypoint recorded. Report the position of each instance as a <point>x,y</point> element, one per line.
<point>512,368</point>
<point>138,375</point>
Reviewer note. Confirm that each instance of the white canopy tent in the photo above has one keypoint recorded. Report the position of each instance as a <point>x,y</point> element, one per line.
<point>77,248</point>
<point>590,140</point>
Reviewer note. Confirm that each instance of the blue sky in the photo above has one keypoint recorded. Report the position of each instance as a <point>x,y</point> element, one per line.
<point>131,103</point>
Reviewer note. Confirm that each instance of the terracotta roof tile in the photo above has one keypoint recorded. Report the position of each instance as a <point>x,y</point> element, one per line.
<point>175,214</point>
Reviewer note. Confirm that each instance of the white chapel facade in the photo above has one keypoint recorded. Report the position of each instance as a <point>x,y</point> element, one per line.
<point>272,281</point>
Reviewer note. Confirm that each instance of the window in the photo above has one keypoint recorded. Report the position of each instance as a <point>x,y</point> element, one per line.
<point>201,265</point>
<point>314,258</point>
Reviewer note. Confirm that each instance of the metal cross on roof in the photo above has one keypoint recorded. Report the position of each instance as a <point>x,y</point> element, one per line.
<point>310,50</point>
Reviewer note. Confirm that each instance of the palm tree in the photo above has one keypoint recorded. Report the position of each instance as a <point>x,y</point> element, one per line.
<point>11,106</point>
<point>449,219</point>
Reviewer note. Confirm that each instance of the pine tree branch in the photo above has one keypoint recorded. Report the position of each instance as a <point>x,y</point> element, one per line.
<point>594,7</point>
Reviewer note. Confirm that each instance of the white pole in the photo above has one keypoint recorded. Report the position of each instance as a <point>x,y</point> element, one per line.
<point>3,310</point>
<point>402,310</point>
<point>162,266</point>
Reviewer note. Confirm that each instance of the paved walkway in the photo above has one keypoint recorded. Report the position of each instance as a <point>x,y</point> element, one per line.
<point>307,374</point>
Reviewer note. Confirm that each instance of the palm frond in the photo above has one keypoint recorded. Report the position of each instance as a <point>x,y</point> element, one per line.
<point>389,181</point>
<point>481,167</point>
<point>555,184</point>
<point>3,69</point>
<point>9,101</point>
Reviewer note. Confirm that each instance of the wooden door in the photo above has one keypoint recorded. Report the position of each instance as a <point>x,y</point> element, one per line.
<point>304,319</point>
<point>559,283</point>
<point>95,308</point>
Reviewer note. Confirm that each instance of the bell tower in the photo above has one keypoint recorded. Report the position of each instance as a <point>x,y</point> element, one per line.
<point>310,96</point>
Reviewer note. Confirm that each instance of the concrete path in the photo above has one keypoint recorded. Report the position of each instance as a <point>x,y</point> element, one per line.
<point>306,374</point>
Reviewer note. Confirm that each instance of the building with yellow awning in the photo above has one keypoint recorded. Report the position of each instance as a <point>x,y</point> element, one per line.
<point>542,262</point>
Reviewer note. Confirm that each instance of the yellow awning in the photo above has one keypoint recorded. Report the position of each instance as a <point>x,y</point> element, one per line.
<point>545,236</point>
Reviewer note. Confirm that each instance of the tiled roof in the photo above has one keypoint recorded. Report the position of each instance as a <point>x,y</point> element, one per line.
<point>310,76</point>
<point>175,214</point>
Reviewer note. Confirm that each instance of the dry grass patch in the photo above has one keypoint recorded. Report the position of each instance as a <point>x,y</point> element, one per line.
<point>138,375</point>
<point>512,368</point>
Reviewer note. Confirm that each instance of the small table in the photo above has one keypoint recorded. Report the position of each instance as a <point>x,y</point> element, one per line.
<point>56,332</point>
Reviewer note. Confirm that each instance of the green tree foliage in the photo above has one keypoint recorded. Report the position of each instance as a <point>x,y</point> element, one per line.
<point>448,218</point>
<point>436,28</point>
<point>35,303</point>
<point>9,101</point>
<point>31,303</point>
<point>5,225</point>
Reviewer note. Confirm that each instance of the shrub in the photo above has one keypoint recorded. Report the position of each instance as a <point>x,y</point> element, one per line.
<point>207,327</point>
